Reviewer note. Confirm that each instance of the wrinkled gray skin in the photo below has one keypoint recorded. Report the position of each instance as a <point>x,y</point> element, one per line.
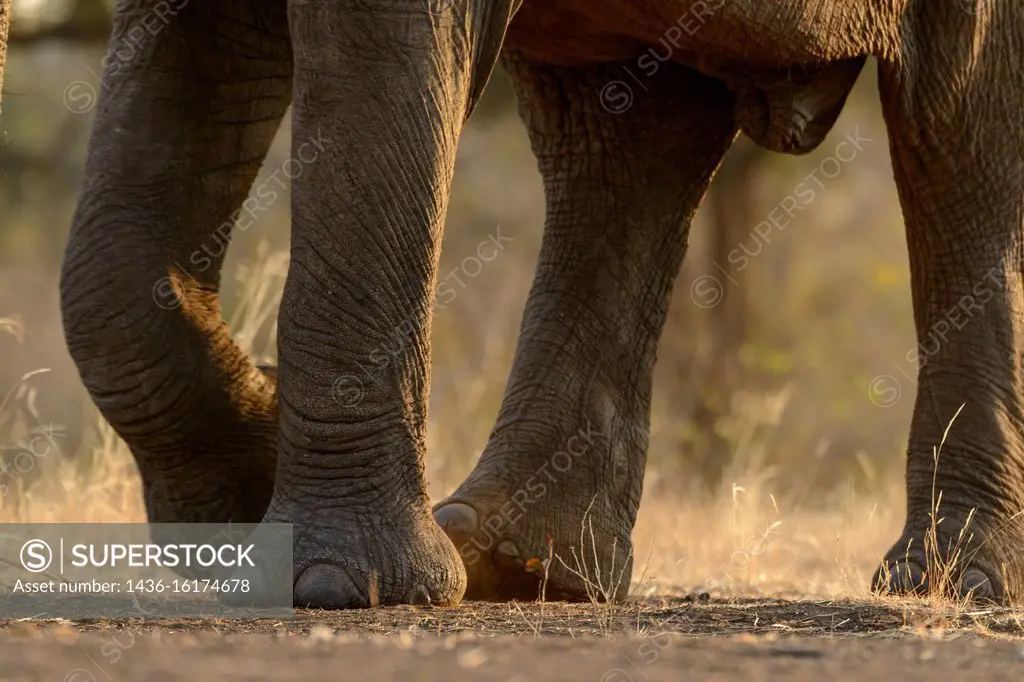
<point>386,85</point>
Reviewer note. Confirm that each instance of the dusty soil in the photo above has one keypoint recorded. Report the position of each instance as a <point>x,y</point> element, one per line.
<point>658,639</point>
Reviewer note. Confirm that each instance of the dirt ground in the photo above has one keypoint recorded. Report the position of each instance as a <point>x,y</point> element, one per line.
<point>657,639</point>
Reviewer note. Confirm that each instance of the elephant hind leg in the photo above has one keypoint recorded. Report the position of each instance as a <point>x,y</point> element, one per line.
<point>953,108</point>
<point>565,461</point>
<point>190,104</point>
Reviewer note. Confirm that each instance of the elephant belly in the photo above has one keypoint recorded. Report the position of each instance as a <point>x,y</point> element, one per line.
<point>765,33</point>
<point>789,88</point>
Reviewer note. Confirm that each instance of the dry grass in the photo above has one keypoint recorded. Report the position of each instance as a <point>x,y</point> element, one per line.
<point>752,543</point>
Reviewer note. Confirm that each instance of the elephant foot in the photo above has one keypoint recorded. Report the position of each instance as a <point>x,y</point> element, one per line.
<point>946,562</point>
<point>378,558</point>
<point>524,545</point>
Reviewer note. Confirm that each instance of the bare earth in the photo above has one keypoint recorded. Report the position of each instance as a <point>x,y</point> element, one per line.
<point>658,639</point>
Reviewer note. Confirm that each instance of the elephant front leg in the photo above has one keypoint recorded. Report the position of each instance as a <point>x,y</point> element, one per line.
<point>565,461</point>
<point>190,103</point>
<point>389,84</point>
<point>953,112</point>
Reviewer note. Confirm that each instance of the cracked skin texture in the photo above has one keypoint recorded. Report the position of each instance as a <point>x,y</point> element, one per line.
<point>180,133</point>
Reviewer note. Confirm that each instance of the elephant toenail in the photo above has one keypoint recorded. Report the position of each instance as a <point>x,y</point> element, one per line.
<point>976,584</point>
<point>913,576</point>
<point>904,577</point>
<point>457,518</point>
<point>324,586</point>
<point>508,549</point>
<point>418,596</point>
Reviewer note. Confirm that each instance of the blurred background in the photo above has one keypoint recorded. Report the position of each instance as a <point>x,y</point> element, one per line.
<point>782,376</point>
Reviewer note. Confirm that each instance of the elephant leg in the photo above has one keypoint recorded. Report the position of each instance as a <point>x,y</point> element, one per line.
<point>389,85</point>
<point>191,101</point>
<point>952,106</point>
<point>565,461</point>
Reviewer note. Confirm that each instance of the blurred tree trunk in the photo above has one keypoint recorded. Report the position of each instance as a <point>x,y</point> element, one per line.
<point>5,24</point>
<point>733,213</point>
